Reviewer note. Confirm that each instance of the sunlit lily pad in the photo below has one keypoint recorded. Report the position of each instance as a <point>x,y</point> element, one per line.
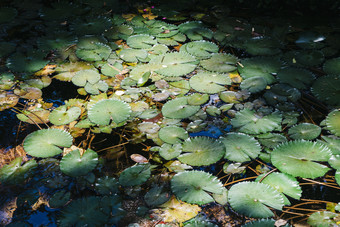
<point>323,219</point>
<point>283,183</point>
<point>82,77</point>
<point>15,172</point>
<point>74,164</point>
<point>187,188</point>
<point>240,147</point>
<point>106,110</point>
<point>253,199</point>
<point>300,158</point>
<point>47,142</point>
<point>271,140</point>
<point>332,143</point>
<point>333,122</point>
<point>135,175</point>
<point>201,151</point>
<point>179,108</point>
<point>306,131</point>
<point>201,49</point>
<point>133,55</point>
<point>96,88</point>
<point>141,41</point>
<point>173,134</point>
<point>249,121</point>
<point>63,116</point>
<point>95,52</point>
<point>170,151</point>
<point>197,99</point>
<point>220,62</point>
<point>210,83</point>
<point>66,71</point>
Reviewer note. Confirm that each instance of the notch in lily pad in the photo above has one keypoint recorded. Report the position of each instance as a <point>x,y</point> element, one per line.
<point>47,142</point>
<point>74,164</point>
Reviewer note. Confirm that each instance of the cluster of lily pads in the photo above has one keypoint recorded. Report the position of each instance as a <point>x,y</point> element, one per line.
<point>173,82</point>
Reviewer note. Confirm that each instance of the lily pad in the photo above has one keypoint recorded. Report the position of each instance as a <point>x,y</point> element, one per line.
<point>253,199</point>
<point>323,219</point>
<point>240,147</point>
<point>107,185</point>
<point>88,75</point>
<point>133,55</point>
<point>197,99</point>
<point>201,49</point>
<point>327,89</point>
<point>333,122</point>
<point>179,108</point>
<point>254,84</point>
<point>220,62</point>
<point>47,142</point>
<point>187,188</point>
<point>201,151</point>
<point>300,158</point>
<point>135,175</point>
<point>332,66</point>
<point>210,83</point>
<point>15,172</point>
<point>74,164</point>
<point>95,52</point>
<point>170,151</point>
<point>251,122</point>
<point>106,110</point>
<point>63,116</point>
<point>157,195</point>
<point>296,77</point>
<point>306,131</point>
<point>141,41</point>
<point>65,72</point>
<point>173,134</point>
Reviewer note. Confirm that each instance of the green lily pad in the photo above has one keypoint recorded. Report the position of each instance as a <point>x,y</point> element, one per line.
<point>240,147</point>
<point>66,71</point>
<point>252,198</point>
<point>96,88</point>
<point>283,183</point>
<point>95,52</point>
<point>74,164</point>
<point>201,49</point>
<point>254,84</point>
<point>47,142</point>
<point>332,66</point>
<point>262,46</point>
<point>201,151</point>
<point>170,151</point>
<point>173,134</point>
<point>251,122</point>
<point>59,199</point>
<point>111,69</point>
<point>175,64</point>
<point>29,63</point>
<point>141,41</point>
<point>296,77</point>
<point>327,89</point>
<point>334,161</point>
<point>305,131</point>
<point>106,110</point>
<point>188,188</point>
<point>332,143</point>
<point>179,108</point>
<point>173,40</point>
<point>300,158</point>
<point>88,75</point>
<point>197,99</point>
<point>135,175</point>
<point>220,62</point>
<point>333,122</point>
<point>271,140</point>
<point>157,195</point>
<point>63,116</point>
<point>263,223</point>
<point>133,55</point>
<point>309,57</point>
<point>323,219</point>
<point>210,83</point>
<point>107,185</point>
<point>15,173</point>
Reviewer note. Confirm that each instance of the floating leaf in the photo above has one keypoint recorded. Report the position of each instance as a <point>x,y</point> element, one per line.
<point>332,66</point>
<point>187,188</point>
<point>172,134</point>
<point>65,72</point>
<point>95,52</point>
<point>240,147</point>
<point>74,164</point>
<point>201,49</point>
<point>157,195</point>
<point>323,219</point>
<point>133,55</point>
<point>252,198</point>
<point>46,142</point>
<point>95,88</point>
<point>300,158</point>
<point>179,108</point>
<point>210,83</point>
<point>106,185</point>
<point>59,199</point>
<point>271,140</point>
<point>197,99</point>
<point>63,116</point>
<point>15,173</point>
<point>220,62</point>
<point>254,84</point>
<point>141,41</point>
<point>170,151</point>
<point>296,77</point>
<point>201,151</point>
<point>306,131</point>
<point>106,110</point>
<point>332,142</point>
<point>327,89</point>
<point>135,175</point>
<point>333,122</point>
<point>248,121</point>
<point>82,77</point>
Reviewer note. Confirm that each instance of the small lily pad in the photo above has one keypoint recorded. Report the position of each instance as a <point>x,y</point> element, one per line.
<point>135,175</point>
<point>141,41</point>
<point>15,173</point>
<point>173,134</point>
<point>333,122</point>
<point>63,116</point>
<point>201,49</point>
<point>210,83</point>
<point>254,84</point>
<point>47,142</point>
<point>74,164</point>
<point>179,108</point>
<point>188,188</point>
<point>323,219</point>
<point>170,151</point>
<point>82,77</point>
<point>327,89</point>
<point>220,62</point>
<point>306,131</point>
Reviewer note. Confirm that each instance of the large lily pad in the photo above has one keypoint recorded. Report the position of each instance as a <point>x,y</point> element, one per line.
<point>63,116</point>
<point>201,151</point>
<point>179,108</point>
<point>210,83</point>
<point>296,77</point>
<point>74,164</point>
<point>306,131</point>
<point>201,49</point>
<point>327,89</point>
<point>106,110</point>
<point>252,198</point>
<point>240,147</point>
<point>220,62</point>
<point>188,188</point>
<point>47,142</point>
<point>333,122</point>
<point>300,158</point>
<point>141,41</point>
<point>133,55</point>
<point>173,134</point>
<point>248,121</point>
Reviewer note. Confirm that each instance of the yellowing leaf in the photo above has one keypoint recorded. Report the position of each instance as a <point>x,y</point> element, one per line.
<point>47,70</point>
<point>235,77</point>
<point>128,16</point>
<point>177,211</point>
